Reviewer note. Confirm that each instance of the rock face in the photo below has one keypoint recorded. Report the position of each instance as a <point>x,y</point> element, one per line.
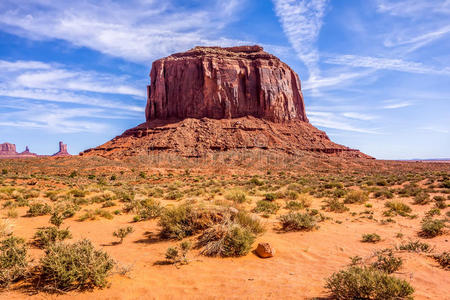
<point>224,83</point>
<point>211,99</point>
<point>9,151</point>
<point>62,150</point>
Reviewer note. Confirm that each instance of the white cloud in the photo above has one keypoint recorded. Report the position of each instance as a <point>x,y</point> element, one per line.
<point>397,104</point>
<point>386,64</point>
<point>22,65</point>
<point>333,121</point>
<point>435,129</point>
<point>301,21</point>
<point>359,116</point>
<point>415,8</point>
<point>138,31</point>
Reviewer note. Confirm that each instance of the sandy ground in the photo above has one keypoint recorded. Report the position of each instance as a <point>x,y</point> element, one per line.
<point>298,270</point>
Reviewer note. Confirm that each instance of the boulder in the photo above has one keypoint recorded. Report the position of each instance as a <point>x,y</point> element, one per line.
<point>264,250</point>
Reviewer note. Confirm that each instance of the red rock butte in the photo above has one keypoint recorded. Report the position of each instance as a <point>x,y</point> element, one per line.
<point>217,99</point>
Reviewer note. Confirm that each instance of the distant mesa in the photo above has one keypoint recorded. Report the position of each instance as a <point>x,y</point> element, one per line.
<point>211,99</point>
<point>8,150</point>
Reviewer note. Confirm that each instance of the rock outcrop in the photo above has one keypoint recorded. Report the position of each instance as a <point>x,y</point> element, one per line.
<point>62,150</point>
<point>8,150</point>
<point>218,99</point>
<point>224,83</point>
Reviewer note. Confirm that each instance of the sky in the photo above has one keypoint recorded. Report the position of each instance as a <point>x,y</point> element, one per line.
<point>375,73</point>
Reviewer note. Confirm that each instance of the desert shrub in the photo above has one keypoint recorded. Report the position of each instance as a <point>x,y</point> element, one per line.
<point>12,213</point>
<point>46,236</point>
<point>383,193</point>
<point>294,205</point>
<point>298,221</point>
<point>122,233</point>
<point>367,283</point>
<point>6,227</point>
<point>370,238</point>
<point>249,222</point>
<point>229,239</point>
<point>13,260</point>
<point>446,184</point>
<point>93,214</point>
<point>178,255</point>
<point>142,175</point>
<point>397,208</point>
<point>77,193</point>
<point>422,198</point>
<point>270,197</point>
<point>443,259</point>
<point>433,212</point>
<point>4,172</point>
<point>267,207</point>
<point>236,195</point>
<point>56,219</point>
<point>184,220</point>
<point>415,246</point>
<point>387,262</point>
<point>173,195</point>
<point>108,203</point>
<point>38,209</point>
<point>147,209</point>
<point>432,227</point>
<point>256,181</point>
<point>291,195</point>
<point>75,266</point>
<point>334,205</point>
<point>356,197</point>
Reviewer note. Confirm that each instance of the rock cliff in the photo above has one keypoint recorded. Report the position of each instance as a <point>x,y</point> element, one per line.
<point>224,83</point>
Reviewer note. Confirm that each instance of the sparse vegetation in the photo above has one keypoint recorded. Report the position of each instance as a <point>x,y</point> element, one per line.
<point>13,260</point>
<point>122,233</point>
<point>415,246</point>
<point>443,259</point>
<point>371,238</point>
<point>298,221</point>
<point>46,236</point>
<point>178,255</point>
<point>356,197</point>
<point>432,227</point>
<point>75,266</point>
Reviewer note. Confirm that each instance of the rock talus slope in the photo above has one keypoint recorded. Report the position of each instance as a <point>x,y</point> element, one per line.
<point>217,99</point>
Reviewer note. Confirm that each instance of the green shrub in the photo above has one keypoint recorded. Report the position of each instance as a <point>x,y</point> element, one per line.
<point>123,232</point>
<point>291,195</point>
<point>142,175</point>
<point>443,259</point>
<point>249,222</point>
<point>182,221</point>
<point>298,221</point>
<point>432,228</point>
<point>371,238</point>
<point>56,219</point>
<point>267,207</point>
<point>270,197</point>
<point>433,212</point>
<point>415,246</point>
<point>356,197</point>
<point>334,205</point>
<point>38,209</point>
<point>13,260</point>
<point>367,283</point>
<point>397,208</point>
<point>294,205</point>
<point>46,236</point>
<point>178,255</point>
<point>4,171</point>
<point>75,266</point>
<point>256,181</point>
<point>147,209</point>
<point>93,214</point>
<point>387,262</point>
<point>422,198</point>
<point>236,195</point>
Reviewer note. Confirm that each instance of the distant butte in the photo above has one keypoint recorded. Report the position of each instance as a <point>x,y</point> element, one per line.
<point>212,99</point>
<point>8,150</point>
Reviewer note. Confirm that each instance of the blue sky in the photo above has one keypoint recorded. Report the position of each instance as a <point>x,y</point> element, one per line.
<point>375,73</point>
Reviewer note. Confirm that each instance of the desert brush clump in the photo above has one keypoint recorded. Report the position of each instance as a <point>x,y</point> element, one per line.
<point>367,283</point>
<point>443,259</point>
<point>386,261</point>
<point>334,205</point>
<point>236,195</point>
<point>415,246</point>
<point>145,209</point>
<point>75,266</point>
<point>39,209</point>
<point>46,236</point>
<point>298,222</point>
<point>432,227</point>
<point>397,208</point>
<point>356,197</point>
<point>178,255</point>
<point>232,237</point>
<point>422,198</point>
<point>13,260</point>
<point>370,238</point>
<point>122,233</point>
<point>266,207</point>
<point>185,220</point>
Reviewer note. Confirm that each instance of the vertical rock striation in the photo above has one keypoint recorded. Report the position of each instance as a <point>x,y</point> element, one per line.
<point>224,83</point>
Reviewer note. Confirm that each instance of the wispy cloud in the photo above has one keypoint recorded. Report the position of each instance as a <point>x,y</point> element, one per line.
<point>386,64</point>
<point>334,121</point>
<point>393,104</point>
<point>413,8</point>
<point>359,116</point>
<point>138,31</point>
<point>301,21</point>
<point>435,129</point>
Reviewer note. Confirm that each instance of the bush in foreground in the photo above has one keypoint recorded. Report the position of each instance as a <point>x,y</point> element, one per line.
<point>432,228</point>
<point>13,260</point>
<point>387,262</point>
<point>122,233</point>
<point>46,236</point>
<point>367,283</point>
<point>178,255</point>
<point>75,266</point>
